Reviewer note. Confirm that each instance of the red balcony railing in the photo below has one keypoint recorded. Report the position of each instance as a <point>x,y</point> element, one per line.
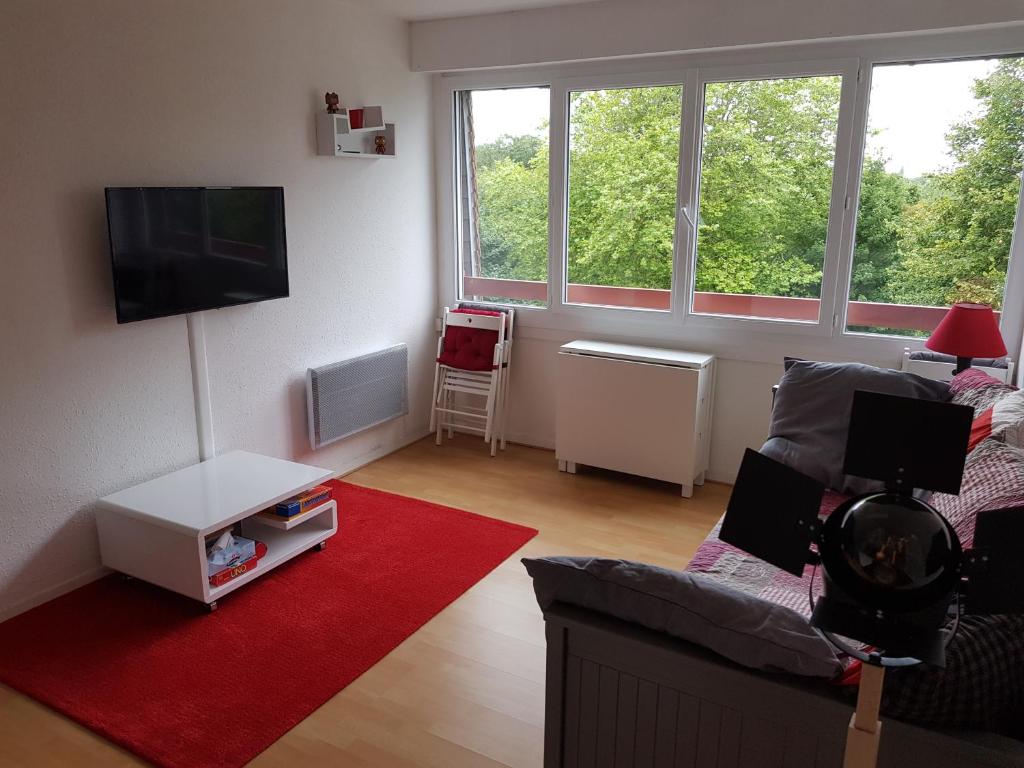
<point>861,313</point>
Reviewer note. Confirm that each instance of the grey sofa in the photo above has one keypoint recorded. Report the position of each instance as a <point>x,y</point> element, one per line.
<point>621,695</point>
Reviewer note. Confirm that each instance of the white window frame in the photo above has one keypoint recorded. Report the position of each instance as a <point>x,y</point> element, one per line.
<point>685,79</point>
<point>847,70</point>
<point>448,184</point>
<point>1011,322</point>
<point>742,338</point>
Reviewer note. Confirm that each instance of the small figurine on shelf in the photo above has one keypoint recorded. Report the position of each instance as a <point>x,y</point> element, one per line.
<point>380,145</point>
<point>332,103</point>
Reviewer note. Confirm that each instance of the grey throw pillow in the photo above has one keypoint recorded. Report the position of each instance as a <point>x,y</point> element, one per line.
<point>811,415</point>
<point>750,631</point>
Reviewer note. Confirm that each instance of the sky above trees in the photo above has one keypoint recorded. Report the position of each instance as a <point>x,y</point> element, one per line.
<point>897,91</point>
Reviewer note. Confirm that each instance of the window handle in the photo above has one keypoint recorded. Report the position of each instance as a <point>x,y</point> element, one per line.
<point>685,210</point>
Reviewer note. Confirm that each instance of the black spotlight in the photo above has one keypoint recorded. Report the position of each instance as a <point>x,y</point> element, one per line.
<point>895,575</point>
<point>892,564</point>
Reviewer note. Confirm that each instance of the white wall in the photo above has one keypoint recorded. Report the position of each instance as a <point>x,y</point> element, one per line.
<point>180,92</point>
<point>643,27</point>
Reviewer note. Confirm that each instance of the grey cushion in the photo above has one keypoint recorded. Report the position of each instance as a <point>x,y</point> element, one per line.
<point>811,415</point>
<point>744,628</point>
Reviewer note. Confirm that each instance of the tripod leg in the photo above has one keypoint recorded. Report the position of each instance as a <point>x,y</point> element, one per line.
<point>865,729</point>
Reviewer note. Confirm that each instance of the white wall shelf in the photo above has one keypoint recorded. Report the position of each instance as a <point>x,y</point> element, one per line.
<point>335,136</point>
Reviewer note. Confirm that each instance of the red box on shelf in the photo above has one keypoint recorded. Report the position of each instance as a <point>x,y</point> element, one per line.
<point>223,577</point>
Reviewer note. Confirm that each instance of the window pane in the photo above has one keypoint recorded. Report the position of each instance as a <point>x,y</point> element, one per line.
<point>623,169</point>
<point>502,164</point>
<point>765,184</point>
<point>939,190</point>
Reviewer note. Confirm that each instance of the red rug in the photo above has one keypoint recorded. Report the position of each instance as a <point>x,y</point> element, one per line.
<point>153,672</point>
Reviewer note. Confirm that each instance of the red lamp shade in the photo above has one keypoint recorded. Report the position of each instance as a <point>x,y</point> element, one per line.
<point>968,330</point>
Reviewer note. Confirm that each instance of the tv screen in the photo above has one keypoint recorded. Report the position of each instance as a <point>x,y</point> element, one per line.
<point>185,249</point>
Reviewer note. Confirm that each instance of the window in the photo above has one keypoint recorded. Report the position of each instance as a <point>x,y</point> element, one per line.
<point>846,194</point>
<point>767,158</point>
<point>621,203</point>
<point>502,183</point>
<point>939,189</point>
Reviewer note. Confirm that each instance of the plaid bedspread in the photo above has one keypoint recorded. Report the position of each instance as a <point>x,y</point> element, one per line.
<point>734,567</point>
<point>982,685</point>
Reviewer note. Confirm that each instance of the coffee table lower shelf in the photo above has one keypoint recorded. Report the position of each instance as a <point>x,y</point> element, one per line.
<point>282,545</point>
<point>177,561</point>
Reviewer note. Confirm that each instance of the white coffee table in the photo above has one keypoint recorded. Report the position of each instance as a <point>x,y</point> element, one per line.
<point>157,531</point>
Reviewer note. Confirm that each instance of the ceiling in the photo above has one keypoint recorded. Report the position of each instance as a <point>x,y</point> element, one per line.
<point>437,9</point>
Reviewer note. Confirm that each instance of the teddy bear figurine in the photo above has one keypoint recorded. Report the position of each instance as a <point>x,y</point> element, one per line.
<point>332,103</point>
<point>380,145</point>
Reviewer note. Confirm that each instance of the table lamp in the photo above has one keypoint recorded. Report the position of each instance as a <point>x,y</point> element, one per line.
<point>967,331</point>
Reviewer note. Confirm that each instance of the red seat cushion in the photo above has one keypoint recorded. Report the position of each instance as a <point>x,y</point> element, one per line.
<point>470,349</point>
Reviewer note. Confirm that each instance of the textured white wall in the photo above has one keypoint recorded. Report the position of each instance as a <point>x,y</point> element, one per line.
<point>180,92</point>
<point>641,27</point>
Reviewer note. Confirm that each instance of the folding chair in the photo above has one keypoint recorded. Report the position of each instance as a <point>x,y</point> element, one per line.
<point>506,364</point>
<point>470,377</point>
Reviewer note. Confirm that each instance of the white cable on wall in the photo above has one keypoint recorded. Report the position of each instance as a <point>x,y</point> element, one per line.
<point>201,385</point>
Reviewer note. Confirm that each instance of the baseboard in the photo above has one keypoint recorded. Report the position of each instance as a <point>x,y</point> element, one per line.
<point>534,441</point>
<point>53,591</point>
<point>368,458</point>
<point>530,440</point>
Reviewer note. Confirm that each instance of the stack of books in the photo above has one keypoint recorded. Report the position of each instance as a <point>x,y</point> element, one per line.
<point>293,508</point>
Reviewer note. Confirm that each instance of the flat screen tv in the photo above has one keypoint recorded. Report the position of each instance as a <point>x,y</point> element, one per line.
<point>186,249</point>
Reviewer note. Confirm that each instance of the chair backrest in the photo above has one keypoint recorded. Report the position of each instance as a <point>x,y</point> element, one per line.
<point>508,312</point>
<point>942,370</point>
<point>470,338</point>
<point>476,318</point>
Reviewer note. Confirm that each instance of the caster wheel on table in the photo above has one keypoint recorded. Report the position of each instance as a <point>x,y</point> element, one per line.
<point>211,607</point>
<point>126,577</point>
<point>321,546</point>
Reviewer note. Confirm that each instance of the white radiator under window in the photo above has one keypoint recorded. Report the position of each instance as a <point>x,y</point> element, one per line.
<point>633,409</point>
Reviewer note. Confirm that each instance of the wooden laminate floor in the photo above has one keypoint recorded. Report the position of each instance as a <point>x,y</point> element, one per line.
<point>467,689</point>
